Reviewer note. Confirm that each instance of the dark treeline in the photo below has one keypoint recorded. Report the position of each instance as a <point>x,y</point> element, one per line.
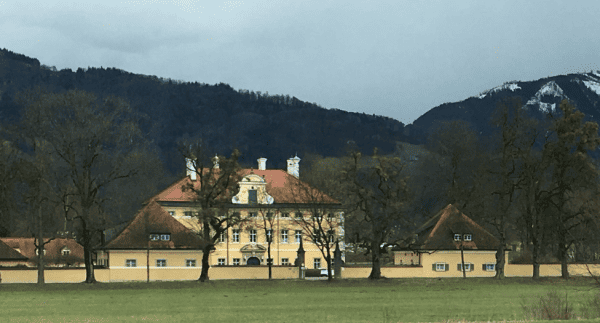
<point>258,124</point>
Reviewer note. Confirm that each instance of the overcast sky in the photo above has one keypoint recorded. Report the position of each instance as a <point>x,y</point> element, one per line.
<point>393,58</point>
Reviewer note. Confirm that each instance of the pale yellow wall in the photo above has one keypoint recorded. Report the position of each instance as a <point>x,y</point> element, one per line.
<point>279,249</point>
<point>406,258</point>
<point>453,258</point>
<point>51,276</point>
<point>262,272</point>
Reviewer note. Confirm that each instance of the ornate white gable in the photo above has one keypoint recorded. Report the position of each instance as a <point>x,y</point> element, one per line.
<point>249,183</point>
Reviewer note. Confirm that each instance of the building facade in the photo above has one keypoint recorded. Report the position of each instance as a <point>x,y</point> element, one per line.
<point>277,206</point>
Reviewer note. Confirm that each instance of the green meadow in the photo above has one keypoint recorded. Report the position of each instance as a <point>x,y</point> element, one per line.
<point>389,300</point>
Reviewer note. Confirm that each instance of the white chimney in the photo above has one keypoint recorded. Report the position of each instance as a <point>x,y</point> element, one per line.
<point>190,169</point>
<point>262,163</point>
<point>293,167</point>
<point>215,161</point>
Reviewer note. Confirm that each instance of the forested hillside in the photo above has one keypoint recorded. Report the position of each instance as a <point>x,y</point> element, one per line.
<point>258,124</point>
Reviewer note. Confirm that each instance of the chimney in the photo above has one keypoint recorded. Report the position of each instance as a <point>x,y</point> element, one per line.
<point>262,163</point>
<point>190,171</point>
<point>293,167</point>
<point>215,161</point>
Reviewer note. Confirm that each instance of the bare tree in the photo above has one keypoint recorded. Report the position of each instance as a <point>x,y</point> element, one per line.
<point>97,143</point>
<point>379,196</point>
<point>213,185</point>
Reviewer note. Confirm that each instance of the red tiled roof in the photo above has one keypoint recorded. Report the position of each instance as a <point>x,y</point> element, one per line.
<point>53,249</point>
<point>154,219</point>
<point>283,187</point>
<point>438,232</point>
<point>8,253</point>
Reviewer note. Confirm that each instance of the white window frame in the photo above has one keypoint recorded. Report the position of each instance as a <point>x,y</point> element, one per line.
<point>457,237</point>
<point>285,215</point>
<point>284,236</point>
<point>161,263</point>
<point>469,267</point>
<point>221,262</point>
<point>252,235</point>
<point>165,237</point>
<point>190,262</point>
<point>65,251</point>
<point>487,267</point>
<point>317,263</point>
<point>285,261</point>
<point>252,214</point>
<point>236,236</point>
<point>298,215</point>
<point>131,263</point>
<point>298,235</point>
<point>438,264</point>
<point>467,237</point>
<point>222,237</point>
<point>154,237</point>
<point>236,261</point>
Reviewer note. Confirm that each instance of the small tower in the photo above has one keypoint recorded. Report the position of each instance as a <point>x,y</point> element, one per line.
<point>293,166</point>
<point>262,163</point>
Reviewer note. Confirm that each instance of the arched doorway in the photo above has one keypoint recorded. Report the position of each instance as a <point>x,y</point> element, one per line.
<point>253,261</point>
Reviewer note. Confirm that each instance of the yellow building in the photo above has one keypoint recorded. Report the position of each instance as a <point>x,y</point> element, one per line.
<point>436,247</point>
<point>153,246</point>
<point>276,204</point>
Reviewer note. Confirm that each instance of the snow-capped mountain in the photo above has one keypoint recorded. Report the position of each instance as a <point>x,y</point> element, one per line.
<point>540,97</point>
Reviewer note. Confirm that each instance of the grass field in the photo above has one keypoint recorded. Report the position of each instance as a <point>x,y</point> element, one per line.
<point>391,300</point>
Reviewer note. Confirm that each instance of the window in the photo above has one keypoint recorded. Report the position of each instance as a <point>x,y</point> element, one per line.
<point>190,262</point>
<point>269,215</point>
<point>330,216</point>
<point>467,237</point>
<point>221,261</point>
<point>468,267</point>
<point>252,197</point>
<point>331,235</point>
<point>222,237</point>
<point>299,215</point>
<point>171,213</point>
<point>489,267</point>
<point>285,261</point>
<point>37,252</point>
<point>252,214</point>
<point>457,237</point>
<point>285,215</point>
<point>284,236</point>
<point>252,235</point>
<point>161,262</point>
<point>236,261</point>
<point>270,235</point>
<point>298,236</point>
<point>317,263</point>
<point>130,263</point>
<point>317,217</point>
<point>236,235</point>
<point>65,251</point>
<point>165,237</point>
<point>440,266</point>
<point>187,213</point>
<point>154,237</point>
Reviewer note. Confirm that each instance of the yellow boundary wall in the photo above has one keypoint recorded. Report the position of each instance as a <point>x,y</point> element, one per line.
<point>76,275</point>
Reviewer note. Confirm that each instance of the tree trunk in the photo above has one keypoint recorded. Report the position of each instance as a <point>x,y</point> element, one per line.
<point>329,275</point>
<point>563,255</point>
<point>40,238</point>
<point>534,258</point>
<point>205,255</point>
<point>376,267</point>
<point>462,260</point>
<point>87,251</point>
<point>500,260</point>
<point>269,260</point>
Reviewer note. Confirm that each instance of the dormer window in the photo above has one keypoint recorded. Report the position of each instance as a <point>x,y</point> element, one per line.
<point>457,237</point>
<point>154,237</point>
<point>468,237</point>
<point>65,251</point>
<point>165,237</point>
